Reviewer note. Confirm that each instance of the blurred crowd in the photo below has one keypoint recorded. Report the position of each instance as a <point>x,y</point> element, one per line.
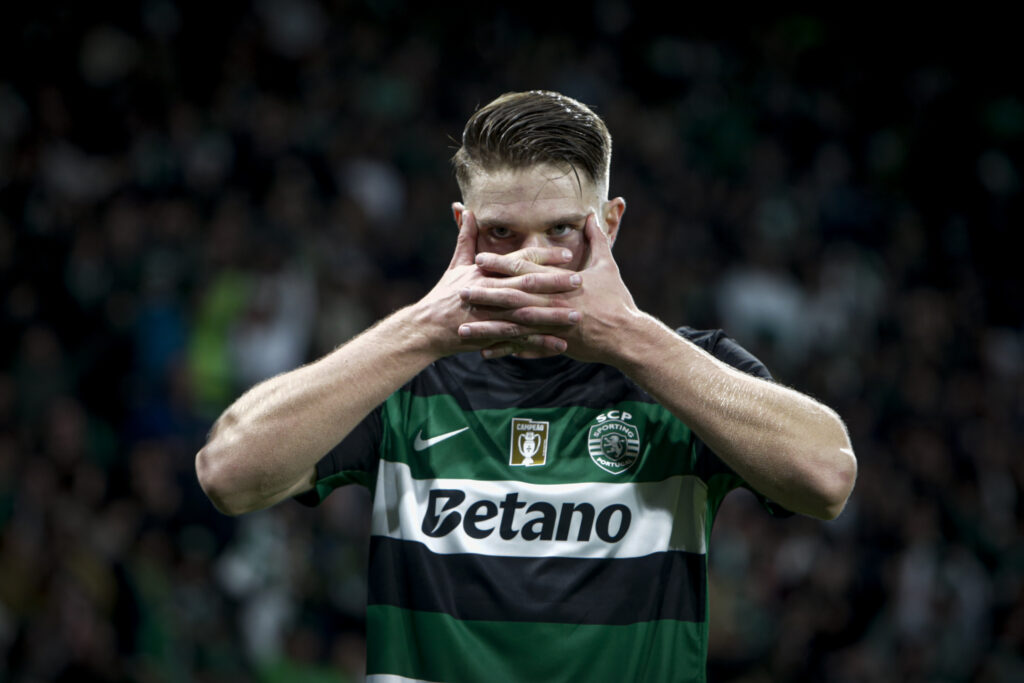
<point>196,196</point>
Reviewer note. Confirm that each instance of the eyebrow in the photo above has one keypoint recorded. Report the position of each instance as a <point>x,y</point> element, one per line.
<point>496,222</point>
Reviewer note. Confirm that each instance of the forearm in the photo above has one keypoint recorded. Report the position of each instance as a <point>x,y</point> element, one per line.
<point>786,445</point>
<point>265,446</point>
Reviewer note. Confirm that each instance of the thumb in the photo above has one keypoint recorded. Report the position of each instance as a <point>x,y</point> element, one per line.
<point>597,241</point>
<point>465,245</point>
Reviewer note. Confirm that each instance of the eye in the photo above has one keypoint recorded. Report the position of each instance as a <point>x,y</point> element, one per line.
<point>500,232</point>
<point>561,230</point>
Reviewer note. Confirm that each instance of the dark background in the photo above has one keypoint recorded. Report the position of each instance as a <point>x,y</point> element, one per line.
<point>197,195</point>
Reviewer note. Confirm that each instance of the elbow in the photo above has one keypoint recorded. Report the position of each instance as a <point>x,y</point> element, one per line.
<point>218,479</point>
<point>836,484</point>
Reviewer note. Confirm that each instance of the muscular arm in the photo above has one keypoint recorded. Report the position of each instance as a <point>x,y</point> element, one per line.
<point>791,448</point>
<point>786,445</point>
<point>265,446</point>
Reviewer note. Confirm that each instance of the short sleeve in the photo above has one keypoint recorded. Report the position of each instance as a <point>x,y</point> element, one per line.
<point>727,350</point>
<point>353,461</point>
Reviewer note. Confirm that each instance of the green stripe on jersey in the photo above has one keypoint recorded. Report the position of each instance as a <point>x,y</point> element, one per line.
<point>436,647</point>
<point>484,451</point>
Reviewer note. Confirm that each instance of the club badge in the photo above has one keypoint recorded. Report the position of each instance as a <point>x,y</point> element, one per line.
<point>614,442</point>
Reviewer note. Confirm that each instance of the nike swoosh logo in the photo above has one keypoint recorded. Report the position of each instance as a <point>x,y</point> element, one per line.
<point>420,443</point>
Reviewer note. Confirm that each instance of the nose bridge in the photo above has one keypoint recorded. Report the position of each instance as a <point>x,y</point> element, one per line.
<point>536,238</point>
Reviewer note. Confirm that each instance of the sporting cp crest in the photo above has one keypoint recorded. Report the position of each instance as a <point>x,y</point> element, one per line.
<point>613,442</point>
<point>529,446</point>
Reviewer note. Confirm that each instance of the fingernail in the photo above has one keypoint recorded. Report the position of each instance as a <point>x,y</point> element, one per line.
<point>575,280</point>
<point>566,254</point>
<point>487,353</point>
<point>464,331</point>
<point>574,316</point>
<point>561,346</point>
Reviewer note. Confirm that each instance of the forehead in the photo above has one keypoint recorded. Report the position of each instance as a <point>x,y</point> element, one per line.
<point>535,190</point>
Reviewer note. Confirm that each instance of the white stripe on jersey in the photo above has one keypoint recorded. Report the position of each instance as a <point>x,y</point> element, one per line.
<point>392,678</point>
<point>662,516</point>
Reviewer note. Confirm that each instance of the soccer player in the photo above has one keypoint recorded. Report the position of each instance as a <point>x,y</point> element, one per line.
<point>546,459</point>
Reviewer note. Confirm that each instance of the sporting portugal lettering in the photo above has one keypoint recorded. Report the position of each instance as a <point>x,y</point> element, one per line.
<point>613,441</point>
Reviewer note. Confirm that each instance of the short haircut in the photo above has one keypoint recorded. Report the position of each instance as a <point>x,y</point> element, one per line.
<point>522,129</point>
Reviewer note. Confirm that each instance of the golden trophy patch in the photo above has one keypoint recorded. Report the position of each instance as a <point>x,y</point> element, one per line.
<point>529,447</point>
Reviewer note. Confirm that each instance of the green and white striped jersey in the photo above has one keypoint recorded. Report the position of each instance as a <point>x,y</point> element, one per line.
<point>540,520</point>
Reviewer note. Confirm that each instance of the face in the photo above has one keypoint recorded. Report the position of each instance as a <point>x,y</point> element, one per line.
<point>540,206</point>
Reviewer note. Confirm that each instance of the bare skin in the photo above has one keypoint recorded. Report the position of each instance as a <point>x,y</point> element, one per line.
<point>532,274</point>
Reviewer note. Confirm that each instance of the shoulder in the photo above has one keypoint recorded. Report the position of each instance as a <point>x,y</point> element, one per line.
<point>726,349</point>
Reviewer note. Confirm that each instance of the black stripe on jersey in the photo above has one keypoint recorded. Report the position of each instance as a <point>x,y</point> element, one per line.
<point>478,384</point>
<point>668,585</point>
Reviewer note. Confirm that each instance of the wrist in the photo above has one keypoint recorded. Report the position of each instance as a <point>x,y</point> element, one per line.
<point>419,326</point>
<point>636,341</point>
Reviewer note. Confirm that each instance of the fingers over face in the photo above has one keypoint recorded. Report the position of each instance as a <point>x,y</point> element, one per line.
<point>544,316</point>
<point>556,282</point>
<point>530,316</point>
<point>529,260</point>
<point>597,241</point>
<point>497,330</point>
<point>465,245</point>
<point>500,297</point>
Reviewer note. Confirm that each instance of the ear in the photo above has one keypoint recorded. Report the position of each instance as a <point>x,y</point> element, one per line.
<point>457,209</point>
<point>612,216</point>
